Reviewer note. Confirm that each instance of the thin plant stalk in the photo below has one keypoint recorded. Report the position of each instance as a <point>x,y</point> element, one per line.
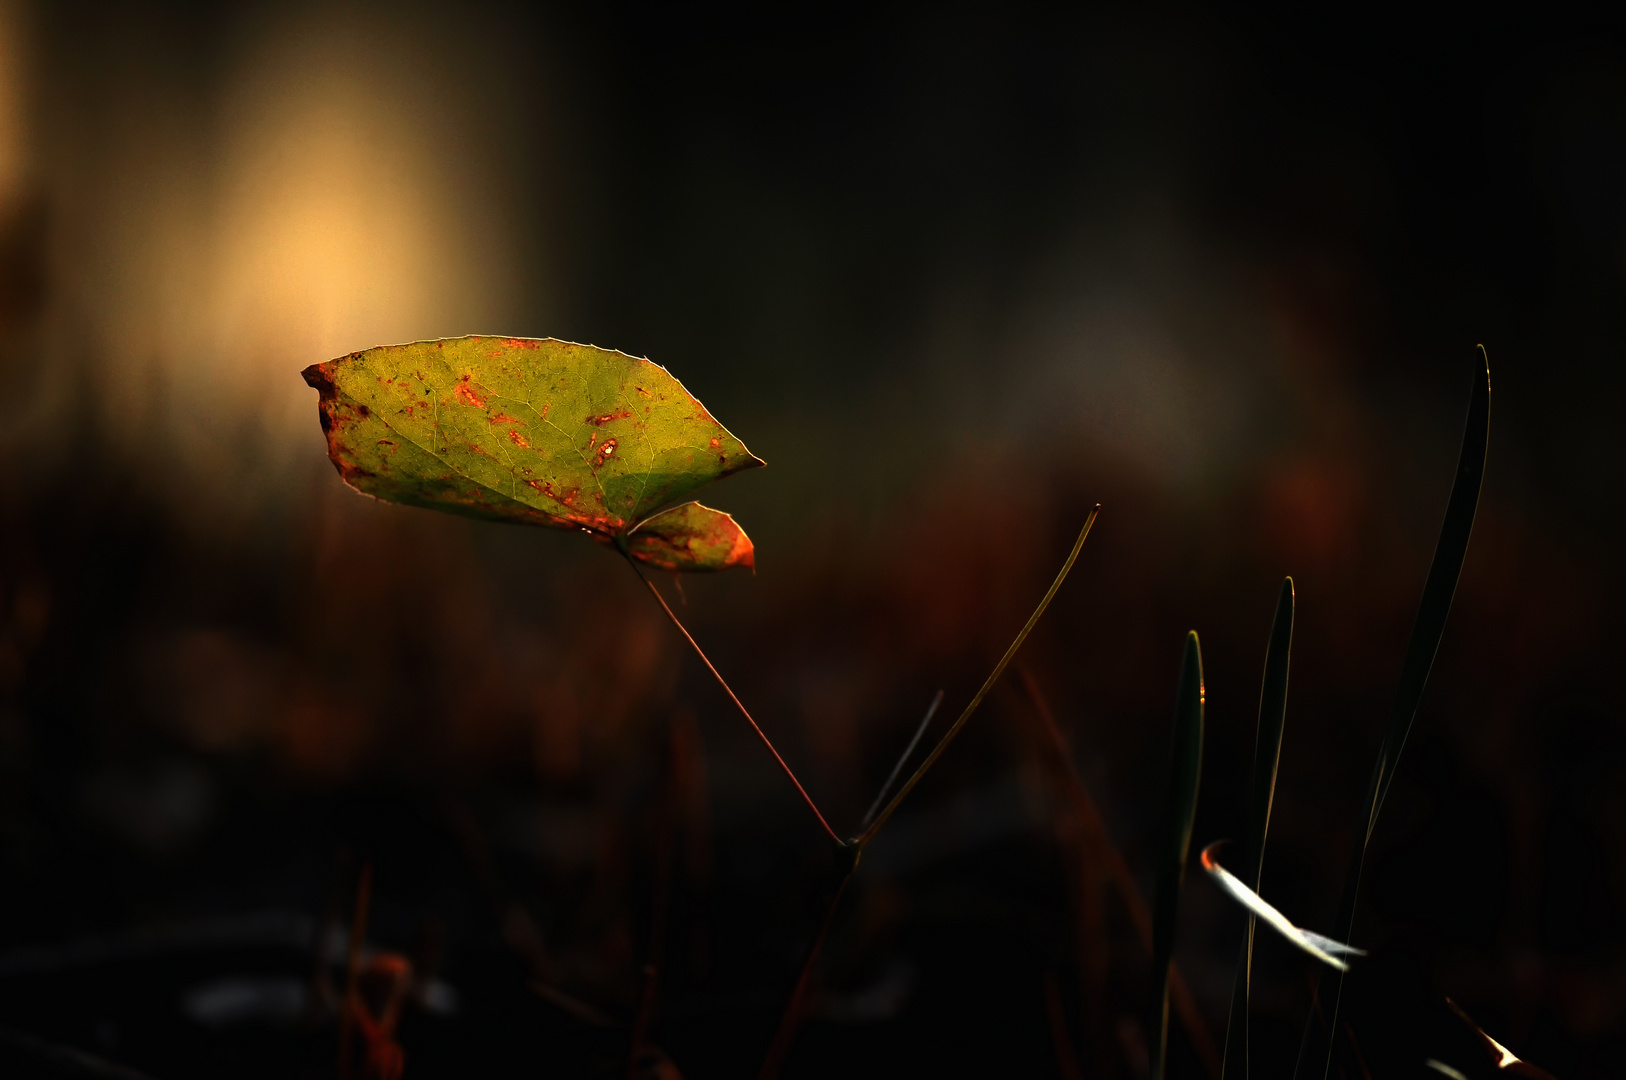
<point>1429,627</point>
<point>999,669</point>
<point>854,848</point>
<point>729,690</point>
<point>791,1020</point>
<point>1099,845</point>
<point>1180,814</point>
<point>892,777</point>
<point>1267,752</point>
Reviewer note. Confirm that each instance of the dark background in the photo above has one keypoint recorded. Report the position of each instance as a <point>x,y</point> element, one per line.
<point>956,274</point>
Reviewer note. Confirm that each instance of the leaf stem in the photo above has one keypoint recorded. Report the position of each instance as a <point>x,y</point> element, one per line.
<point>999,669</point>
<point>729,690</point>
<point>792,1018</point>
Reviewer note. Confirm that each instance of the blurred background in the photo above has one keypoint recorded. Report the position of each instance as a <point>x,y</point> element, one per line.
<point>957,274</point>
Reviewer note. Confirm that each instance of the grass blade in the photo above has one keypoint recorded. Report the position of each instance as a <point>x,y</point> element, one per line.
<point>1504,1059</point>
<point>892,777</point>
<point>1323,949</point>
<point>1426,632</point>
<point>1267,752</point>
<point>1097,847</point>
<point>1180,813</point>
<point>868,834</point>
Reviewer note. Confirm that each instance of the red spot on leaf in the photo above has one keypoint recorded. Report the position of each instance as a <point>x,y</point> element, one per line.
<point>518,440</point>
<point>546,488</point>
<point>715,443</point>
<point>502,418</point>
<point>466,392</point>
<point>605,452</point>
<point>599,421</point>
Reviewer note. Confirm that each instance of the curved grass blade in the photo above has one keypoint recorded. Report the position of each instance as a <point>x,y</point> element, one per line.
<point>1324,949</point>
<point>1426,632</point>
<point>868,834</point>
<point>1180,813</point>
<point>1267,752</point>
<point>1443,1069</point>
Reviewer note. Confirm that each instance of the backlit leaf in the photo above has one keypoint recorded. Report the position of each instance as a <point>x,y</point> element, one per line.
<point>691,537</point>
<point>540,432</point>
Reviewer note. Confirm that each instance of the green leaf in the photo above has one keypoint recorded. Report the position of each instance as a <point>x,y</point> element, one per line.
<point>1267,752</point>
<point>1180,814</point>
<point>691,537</point>
<point>536,431</point>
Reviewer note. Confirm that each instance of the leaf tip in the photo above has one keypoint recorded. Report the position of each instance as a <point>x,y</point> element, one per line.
<point>319,378</point>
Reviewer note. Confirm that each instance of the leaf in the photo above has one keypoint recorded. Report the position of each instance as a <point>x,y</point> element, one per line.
<point>1180,813</point>
<point>540,432</point>
<point>691,537</point>
<point>1324,949</point>
<point>1267,753</point>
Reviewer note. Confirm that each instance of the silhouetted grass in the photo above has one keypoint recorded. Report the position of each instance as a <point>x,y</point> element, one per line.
<point>1180,813</point>
<point>1267,752</point>
<point>1426,633</point>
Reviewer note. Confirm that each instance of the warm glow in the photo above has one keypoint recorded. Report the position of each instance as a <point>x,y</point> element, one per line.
<point>330,202</point>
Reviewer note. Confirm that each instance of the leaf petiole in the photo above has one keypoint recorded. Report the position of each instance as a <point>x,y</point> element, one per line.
<point>729,690</point>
